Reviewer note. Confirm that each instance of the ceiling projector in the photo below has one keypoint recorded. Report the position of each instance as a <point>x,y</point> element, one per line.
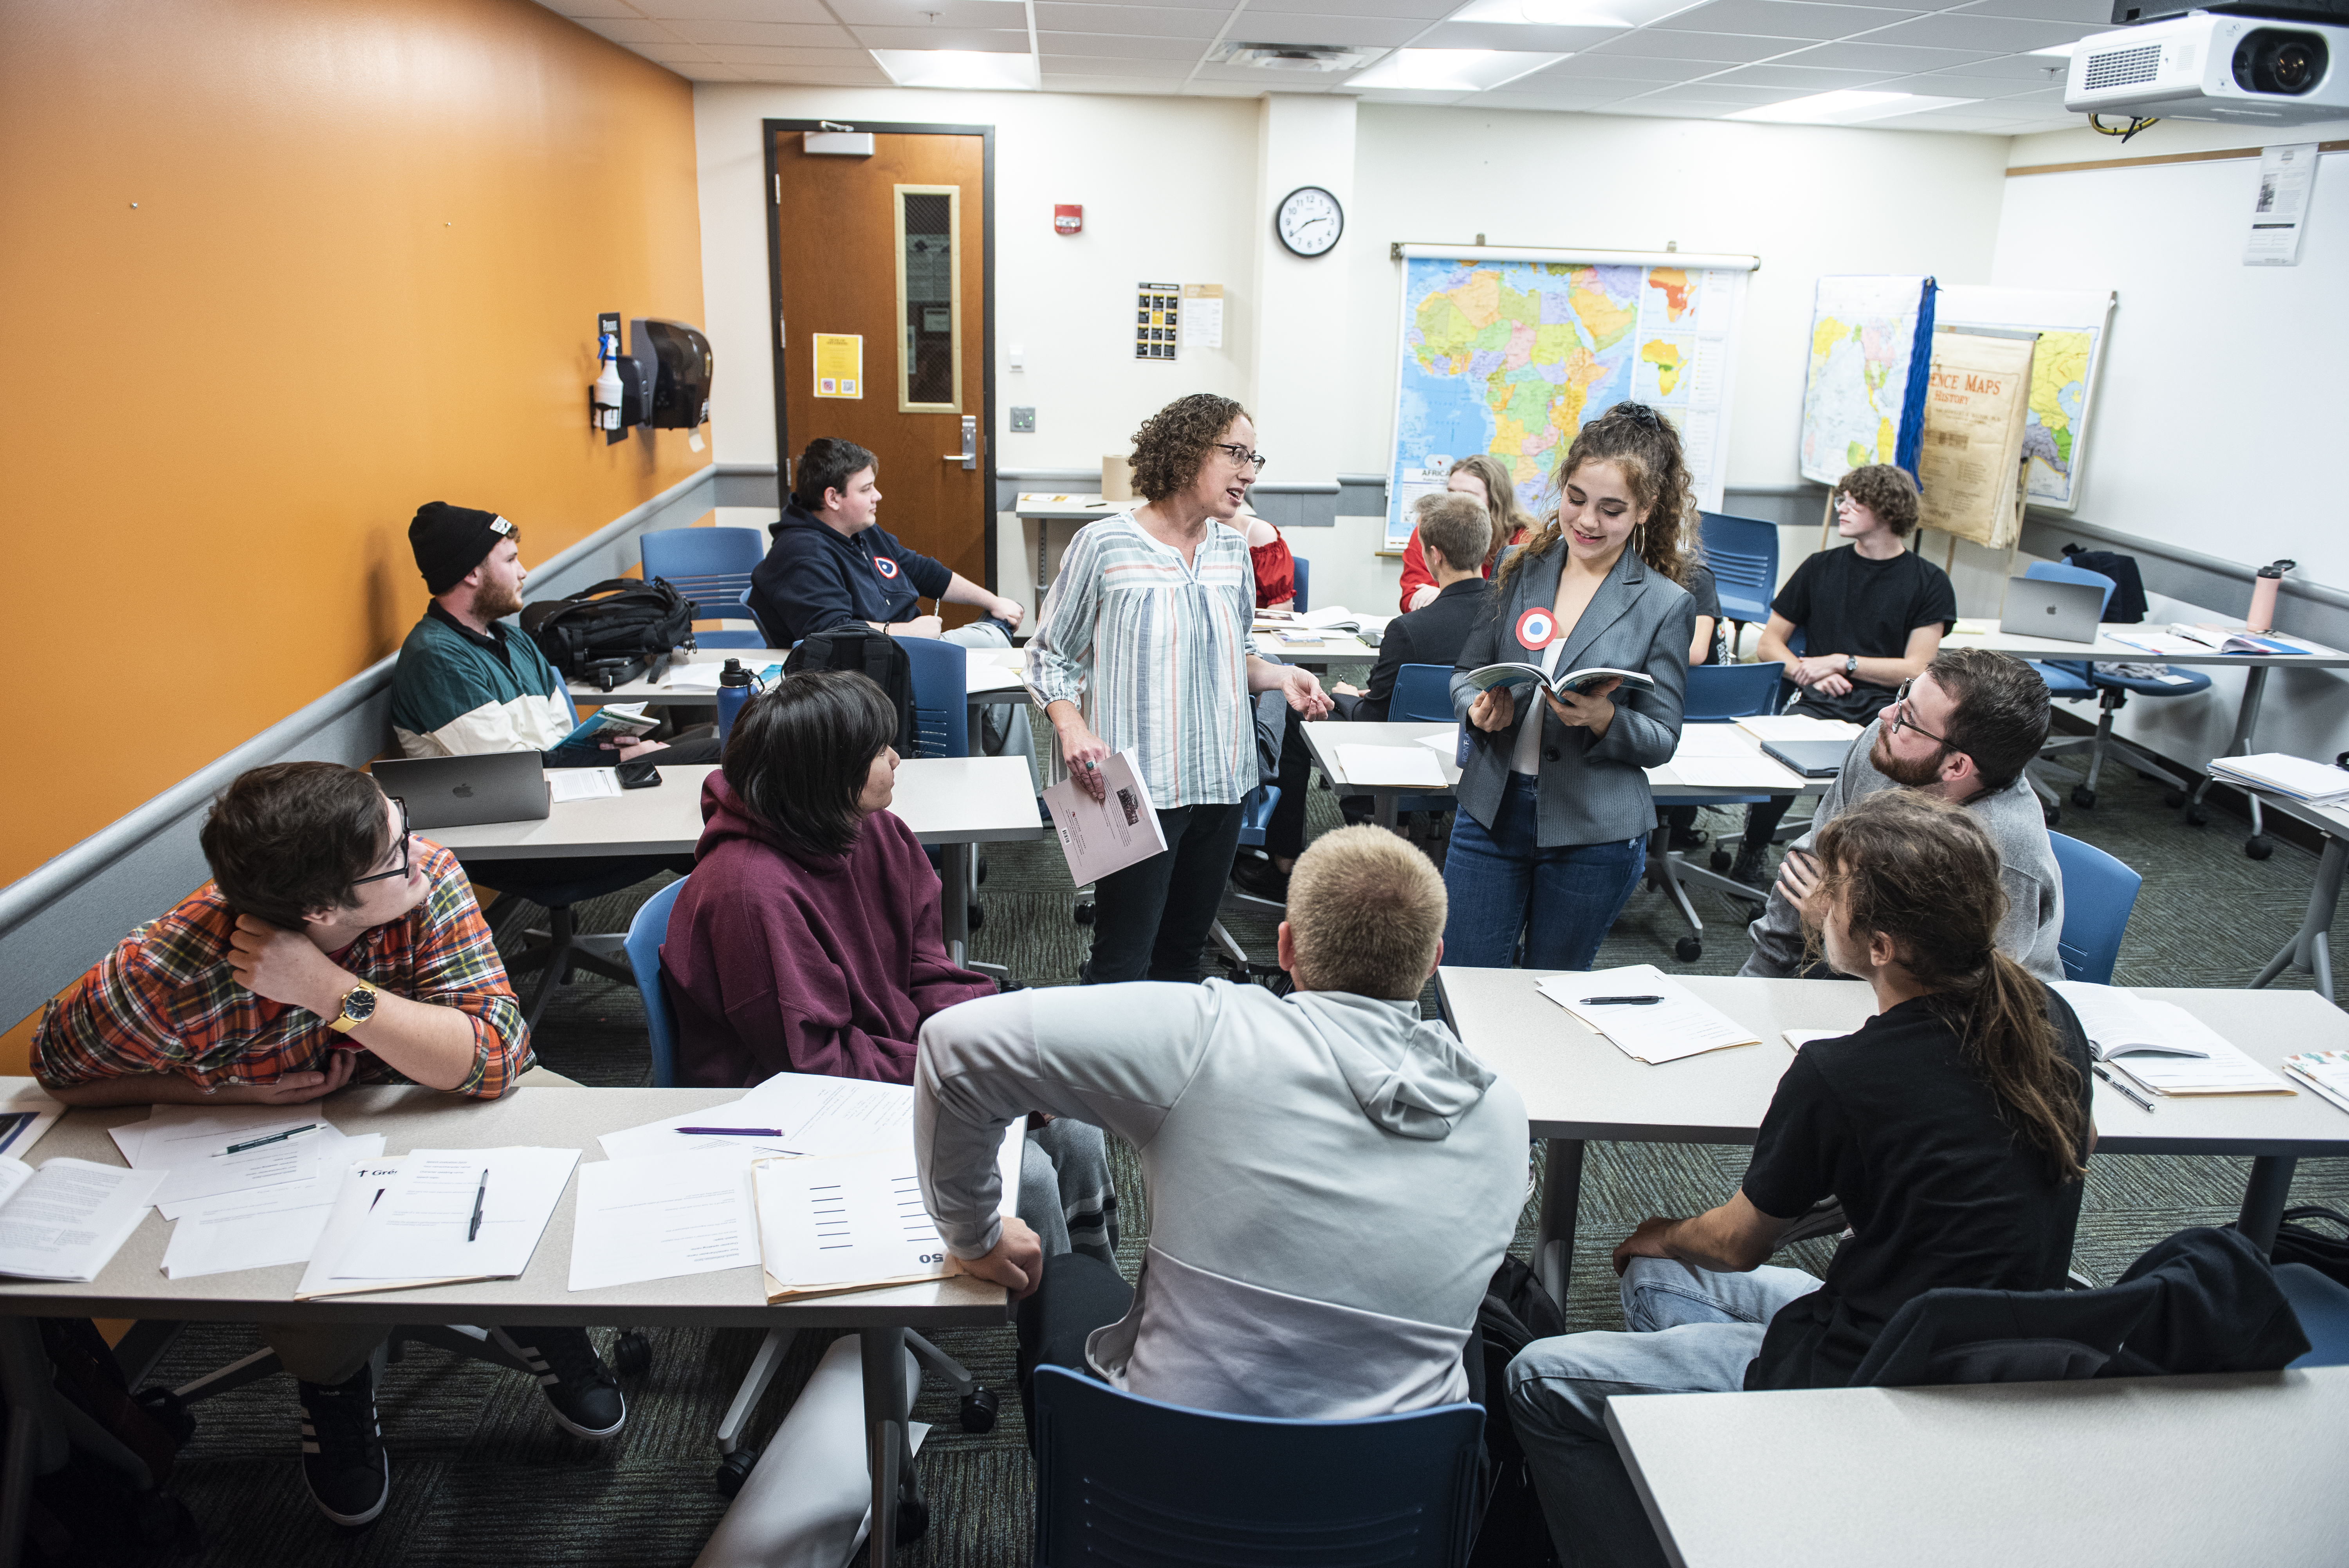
<point>2207,66</point>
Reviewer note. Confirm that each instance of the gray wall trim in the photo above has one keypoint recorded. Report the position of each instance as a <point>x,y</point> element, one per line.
<point>2176,562</point>
<point>749,484</point>
<point>59,919</point>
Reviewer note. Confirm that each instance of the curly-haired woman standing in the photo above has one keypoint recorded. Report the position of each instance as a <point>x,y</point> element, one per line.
<point>1143,646</point>
<point>1555,811</point>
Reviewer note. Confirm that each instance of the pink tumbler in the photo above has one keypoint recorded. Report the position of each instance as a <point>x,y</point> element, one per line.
<point>2263,595</point>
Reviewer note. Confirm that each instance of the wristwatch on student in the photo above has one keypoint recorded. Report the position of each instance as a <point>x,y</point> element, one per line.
<point>358,1006</point>
<point>1851,665</point>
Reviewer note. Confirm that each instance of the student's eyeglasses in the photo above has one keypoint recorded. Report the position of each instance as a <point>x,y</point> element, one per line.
<point>1241,456</point>
<point>1901,721</point>
<point>401,871</point>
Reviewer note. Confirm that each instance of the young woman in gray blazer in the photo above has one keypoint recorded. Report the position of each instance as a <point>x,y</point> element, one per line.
<point>1554,812</point>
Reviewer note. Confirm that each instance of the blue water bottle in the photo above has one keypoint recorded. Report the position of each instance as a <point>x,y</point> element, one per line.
<point>734,687</point>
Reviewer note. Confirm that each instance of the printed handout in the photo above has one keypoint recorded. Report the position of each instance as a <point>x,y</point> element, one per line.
<point>1099,836</point>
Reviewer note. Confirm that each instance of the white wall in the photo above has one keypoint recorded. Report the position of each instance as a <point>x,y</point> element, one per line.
<point>1167,185</point>
<point>1808,200</point>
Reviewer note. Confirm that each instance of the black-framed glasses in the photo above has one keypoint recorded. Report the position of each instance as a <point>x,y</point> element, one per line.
<point>1241,456</point>
<point>1901,721</point>
<point>401,872</point>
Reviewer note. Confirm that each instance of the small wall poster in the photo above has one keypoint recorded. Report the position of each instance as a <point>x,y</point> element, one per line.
<point>1157,307</point>
<point>1203,316</point>
<point>839,365</point>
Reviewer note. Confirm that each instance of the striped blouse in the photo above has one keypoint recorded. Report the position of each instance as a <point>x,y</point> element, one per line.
<point>1154,654</point>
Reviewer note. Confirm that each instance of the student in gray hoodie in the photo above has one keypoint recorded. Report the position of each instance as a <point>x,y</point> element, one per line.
<point>1332,1179</point>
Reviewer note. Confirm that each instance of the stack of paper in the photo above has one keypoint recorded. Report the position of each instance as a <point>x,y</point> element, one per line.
<point>437,1216</point>
<point>855,1222</point>
<point>581,783</point>
<point>790,1113</point>
<point>67,1220</point>
<point>1798,727</point>
<point>2319,784</point>
<point>274,1147</point>
<point>2161,1047</point>
<point>1397,767</point>
<point>261,1227</point>
<point>2326,1072</point>
<point>1674,1025</point>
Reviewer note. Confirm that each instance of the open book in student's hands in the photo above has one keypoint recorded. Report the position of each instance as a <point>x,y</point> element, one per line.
<point>614,721</point>
<point>1581,682</point>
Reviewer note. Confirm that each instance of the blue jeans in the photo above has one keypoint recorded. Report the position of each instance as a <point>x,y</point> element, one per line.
<point>1691,1331</point>
<point>1501,882</point>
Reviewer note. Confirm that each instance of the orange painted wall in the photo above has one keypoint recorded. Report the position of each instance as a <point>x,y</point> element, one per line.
<point>369,241</point>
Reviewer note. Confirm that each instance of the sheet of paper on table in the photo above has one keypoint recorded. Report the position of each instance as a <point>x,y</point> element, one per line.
<point>67,1220</point>
<point>581,783</point>
<point>858,1221</point>
<point>1711,741</point>
<point>189,1143</point>
<point>422,1227</point>
<point>1752,770</point>
<point>1678,1026</point>
<point>1799,727</point>
<point>978,677</point>
<point>262,1228</point>
<point>658,1217</point>
<point>811,1112</point>
<point>1372,767</point>
<point>1447,744</point>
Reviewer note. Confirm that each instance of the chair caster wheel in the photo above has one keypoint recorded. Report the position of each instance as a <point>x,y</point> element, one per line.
<point>632,1352</point>
<point>979,1407</point>
<point>1721,859</point>
<point>2195,816</point>
<point>1084,914</point>
<point>2258,846</point>
<point>913,1518</point>
<point>977,917</point>
<point>2084,797</point>
<point>2173,798</point>
<point>734,1469</point>
<point>2054,813</point>
<point>1688,949</point>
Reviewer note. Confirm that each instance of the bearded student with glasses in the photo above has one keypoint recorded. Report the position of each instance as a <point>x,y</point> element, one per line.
<point>331,946</point>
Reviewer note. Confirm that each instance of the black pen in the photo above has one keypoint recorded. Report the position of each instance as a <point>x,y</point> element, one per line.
<point>1621,1001</point>
<point>480,1192</point>
<point>273,1138</point>
<point>2143,1104</point>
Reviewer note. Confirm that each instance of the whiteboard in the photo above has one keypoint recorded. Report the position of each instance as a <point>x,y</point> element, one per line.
<point>2218,415</point>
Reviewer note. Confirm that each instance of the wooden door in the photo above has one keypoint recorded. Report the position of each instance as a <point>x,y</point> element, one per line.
<point>887,252</point>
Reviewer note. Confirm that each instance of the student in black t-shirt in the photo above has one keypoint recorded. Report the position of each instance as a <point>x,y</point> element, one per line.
<point>1871,617</point>
<point>1954,1126</point>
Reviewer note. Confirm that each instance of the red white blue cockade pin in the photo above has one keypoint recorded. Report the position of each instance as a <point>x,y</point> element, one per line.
<point>1536,627</point>
<point>884,565</point>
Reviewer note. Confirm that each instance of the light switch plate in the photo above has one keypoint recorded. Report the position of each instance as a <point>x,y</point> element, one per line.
<point>1023,421</point>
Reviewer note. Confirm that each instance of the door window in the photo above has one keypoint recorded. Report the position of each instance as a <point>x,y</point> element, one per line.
<point>929,299</point>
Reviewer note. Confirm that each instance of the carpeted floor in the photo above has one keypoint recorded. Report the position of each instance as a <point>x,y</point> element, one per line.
<point>483,1477</point>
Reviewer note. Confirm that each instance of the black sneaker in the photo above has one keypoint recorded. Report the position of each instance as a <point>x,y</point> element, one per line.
<point>1753,865</point>
<point>1254,873</point>
<point>343,1462</point>
<point>573,1378</point>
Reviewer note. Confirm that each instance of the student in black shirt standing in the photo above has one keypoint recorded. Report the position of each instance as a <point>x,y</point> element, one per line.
<point>1954,1126</point>
<point>1871,617</point>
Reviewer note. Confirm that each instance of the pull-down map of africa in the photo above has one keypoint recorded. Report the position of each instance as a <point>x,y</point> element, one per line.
<point>1512,358</point>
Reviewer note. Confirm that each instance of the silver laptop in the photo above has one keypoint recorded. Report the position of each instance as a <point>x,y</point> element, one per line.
<point>2065,611</point>
<point>458,792</point>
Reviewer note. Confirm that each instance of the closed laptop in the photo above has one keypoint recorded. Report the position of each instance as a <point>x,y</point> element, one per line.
<point>1812,759</point>
<point>2065,611</point>
<point>458,792</point>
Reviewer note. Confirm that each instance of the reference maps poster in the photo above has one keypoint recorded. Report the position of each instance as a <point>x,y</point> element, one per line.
<point>2071,325</point>
<point>1512,352</point>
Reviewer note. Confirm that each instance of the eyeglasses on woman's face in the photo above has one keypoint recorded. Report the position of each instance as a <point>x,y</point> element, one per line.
<point>1240,456</point>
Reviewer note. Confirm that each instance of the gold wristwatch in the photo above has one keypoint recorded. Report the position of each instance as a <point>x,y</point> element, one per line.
<point>358,1006</point>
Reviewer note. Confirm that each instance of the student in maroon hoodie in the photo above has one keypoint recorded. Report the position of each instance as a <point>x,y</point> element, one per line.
<point>808,938</point>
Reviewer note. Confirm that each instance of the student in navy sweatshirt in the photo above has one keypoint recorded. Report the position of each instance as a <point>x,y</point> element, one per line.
<point>808,938</point>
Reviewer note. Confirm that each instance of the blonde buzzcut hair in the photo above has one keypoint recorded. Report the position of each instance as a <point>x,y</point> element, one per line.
<point>1457,525</point>
<point>1366,913</point>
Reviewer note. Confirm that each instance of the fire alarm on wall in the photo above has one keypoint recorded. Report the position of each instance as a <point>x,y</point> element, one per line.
<point>1067,219</point>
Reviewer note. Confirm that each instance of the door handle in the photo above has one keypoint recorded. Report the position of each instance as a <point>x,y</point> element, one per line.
<point>969,455</point>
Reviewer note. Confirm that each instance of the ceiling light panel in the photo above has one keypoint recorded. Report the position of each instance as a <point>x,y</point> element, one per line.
<point>959,68</point>
<point>1656,44</point>
<point>811,12</point>
<point>947,40</point>
<point>1453,70</point>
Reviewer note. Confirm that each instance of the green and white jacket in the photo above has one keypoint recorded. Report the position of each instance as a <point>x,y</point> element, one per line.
<point>457,694</point>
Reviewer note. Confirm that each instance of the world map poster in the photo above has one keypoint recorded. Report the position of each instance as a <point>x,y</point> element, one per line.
<point>1511,354</point>
<point>1864,393</point>
<point>2071,324</point>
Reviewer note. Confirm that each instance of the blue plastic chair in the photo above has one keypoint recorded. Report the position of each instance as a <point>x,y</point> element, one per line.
<point>1121,1478</point>
<point>1717,694</point>
<point>646,930</point>
<point>1304,575</point>
<point>1421,695</point>
<point>1743,555</point>
<point>711,567</point>
<point>2098,894</point>
<point>2322,1304</point>
<point>941,673</point>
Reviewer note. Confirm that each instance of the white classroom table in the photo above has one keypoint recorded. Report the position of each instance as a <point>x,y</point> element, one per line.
<point>951,802</point>
<point>133,1285</point>
<point>1578,1086</point>
<point>2255,668</point>
<point>992,676</point>
<point>2155,1472</point>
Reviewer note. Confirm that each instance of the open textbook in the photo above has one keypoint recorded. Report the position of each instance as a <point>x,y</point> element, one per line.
<point>2161,1047</point>
<point>1578,681</point>
<point>66,1220</point>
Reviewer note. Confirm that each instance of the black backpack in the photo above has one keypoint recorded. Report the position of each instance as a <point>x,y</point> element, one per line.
<point>1517,1311</point>
<point>612,632</point>
<point>873,654</point>
<point>2127,607</point>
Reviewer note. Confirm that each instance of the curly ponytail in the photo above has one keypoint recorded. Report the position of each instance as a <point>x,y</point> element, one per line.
<point>1647,448</point>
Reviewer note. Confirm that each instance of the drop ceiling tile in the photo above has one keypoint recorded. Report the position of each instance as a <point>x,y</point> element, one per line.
<point>1783,19</point>
<point>711,71</point>
<point>2017,68</point>
<point>1492,36</point>
<point>982,14</point>
<point>1128,21</point>
<point>801,11</point>
<point>987,41</point>
<point>771,34</point>
<point>1885,57</point>
<point>1425,10</point>
<point>1129,86</point>
<point>1123,47</point>
<point>580,10</point>
<point>2089,13</point>
<point>813,76</point>
<point>1655,109</point>
<point>1956,83</point>
<point>762,55</point>
<point>1984,35</point>
<point>1290,26</point>
<point>1592,95</point>
<point>628,29</point>
<point>1806,78</point>
<point>1111,65</point>
<point>2020,103</point>
<point>1718,92</point>
<point>1629,68</point>
<point>1726,48</point>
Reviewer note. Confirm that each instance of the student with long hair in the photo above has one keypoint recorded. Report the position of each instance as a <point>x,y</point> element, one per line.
<point>1555,810</point>
<point>1954,1126</point>
<point>1484,479</point>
